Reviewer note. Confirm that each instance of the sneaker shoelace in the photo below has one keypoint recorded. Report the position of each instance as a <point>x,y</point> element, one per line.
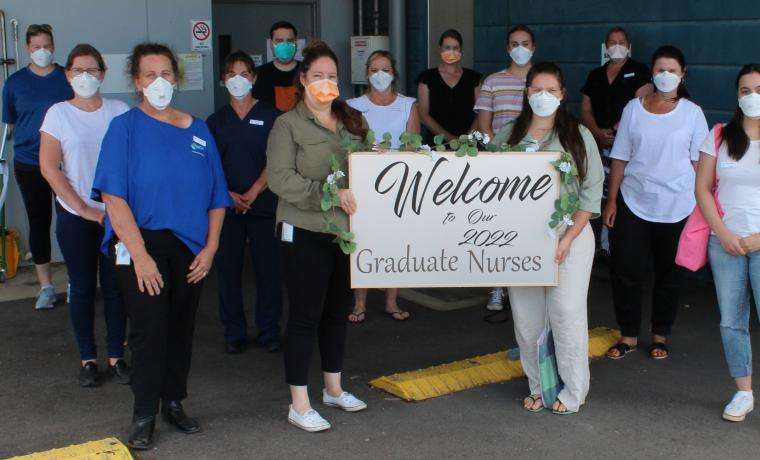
<point>738,403</point>
<point>495,296</point>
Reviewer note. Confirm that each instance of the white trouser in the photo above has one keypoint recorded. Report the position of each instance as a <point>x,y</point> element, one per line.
<point>566,305</point>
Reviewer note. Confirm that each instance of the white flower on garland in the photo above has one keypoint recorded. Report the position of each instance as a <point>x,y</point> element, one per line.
<point>477,135</point>
<point>565,167</point>
<point>470,137</point>
<point>486,139</point>
<point>331,179</point>
<point>339,174</point>
<point>426,148</point>
<point>567,220</point>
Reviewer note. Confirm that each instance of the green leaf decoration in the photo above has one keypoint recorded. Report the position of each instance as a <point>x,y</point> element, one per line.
<point>326,202</point>
<point>334,163</point>
<point>440,148</point>
<point>492,148</point>
<point>554,223</point>
<point>439,139</point>
<point>369,140</point>
<point>454,144</point>
<point>558,205</point>
<point>462,150</point>
<point>464,139</point>
<point>472,151</point>
<point>564,201</point>
<point>348,236</point>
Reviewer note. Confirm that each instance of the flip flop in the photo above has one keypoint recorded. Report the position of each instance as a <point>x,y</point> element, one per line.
<point>658,346</point>
<point>360,316</point>
<point>533,400</point>
<point>401,316</point>
<point>560,412</point>
<point>622,349</point>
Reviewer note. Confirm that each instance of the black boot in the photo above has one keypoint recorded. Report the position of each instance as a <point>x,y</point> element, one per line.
<point>175,415</point>
<point>141,433</point>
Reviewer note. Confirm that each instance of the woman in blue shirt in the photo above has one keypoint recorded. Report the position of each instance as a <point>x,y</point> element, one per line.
<point>27,95</point>
<point>241,130</point>
<point>161,179</point>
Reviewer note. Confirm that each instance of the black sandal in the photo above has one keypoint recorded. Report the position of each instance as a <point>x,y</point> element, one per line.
<point>659,346</point>
<point>622,349</point>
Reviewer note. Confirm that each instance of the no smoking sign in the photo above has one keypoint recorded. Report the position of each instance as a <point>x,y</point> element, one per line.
<point>200,31</point>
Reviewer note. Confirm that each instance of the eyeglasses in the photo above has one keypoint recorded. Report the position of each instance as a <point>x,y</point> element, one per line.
<point>553,91</point>
<point>77,71</point>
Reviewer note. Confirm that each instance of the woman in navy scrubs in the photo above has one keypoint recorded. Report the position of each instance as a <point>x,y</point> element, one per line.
<point>161,179</point>
<point>27,95</point>
<point>241,130</point>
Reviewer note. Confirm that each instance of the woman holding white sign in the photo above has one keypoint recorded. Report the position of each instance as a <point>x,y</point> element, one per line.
<point>386,111</point>
<point>546,125</point>
<point>302,145</point>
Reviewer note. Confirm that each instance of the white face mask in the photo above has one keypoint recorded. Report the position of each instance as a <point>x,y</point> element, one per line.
<point>85,85</point>
<point>750,105</point>
<point>666,81</point>
<point>381,80</point>
<point>521,55</point>
<point>617,52</point>
<point>42,57</point>
<point>543,103</point>
<point>159,93</point>
<point>238,86</point>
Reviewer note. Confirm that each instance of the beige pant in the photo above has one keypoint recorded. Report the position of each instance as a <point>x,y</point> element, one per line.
<point>566,305</point>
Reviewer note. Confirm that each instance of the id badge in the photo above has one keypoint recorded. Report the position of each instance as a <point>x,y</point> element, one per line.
<point>122,254</point>
<point>287,232</point>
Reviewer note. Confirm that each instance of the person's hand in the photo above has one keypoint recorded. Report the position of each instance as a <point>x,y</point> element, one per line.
<point>606,137</point>
<point>94,215</point>
<point>609,213</point>
<point>238,203</point>
<point>250,196</point>
<point>731,243</point>
<point>750,243</point>
<point>563,248</point>
<point>201,265</point>
<point>347,201</point>
<point>148,277</point>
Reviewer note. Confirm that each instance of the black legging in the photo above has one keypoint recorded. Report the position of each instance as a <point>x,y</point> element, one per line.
<point>317,281</point>
<point>38,201</point>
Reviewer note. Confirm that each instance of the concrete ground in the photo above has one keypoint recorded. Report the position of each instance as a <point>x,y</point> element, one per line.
<point>637,408</point>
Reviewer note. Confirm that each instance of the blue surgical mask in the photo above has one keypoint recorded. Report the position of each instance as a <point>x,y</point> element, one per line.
<point>284,51</point>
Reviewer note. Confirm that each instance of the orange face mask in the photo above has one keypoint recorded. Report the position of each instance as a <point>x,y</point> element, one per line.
<point>323,91</point>
<point>451,56</point>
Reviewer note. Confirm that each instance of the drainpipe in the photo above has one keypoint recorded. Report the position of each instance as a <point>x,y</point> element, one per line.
<point>376,16</point>
<point>361,18</point>
<point>397,32</point>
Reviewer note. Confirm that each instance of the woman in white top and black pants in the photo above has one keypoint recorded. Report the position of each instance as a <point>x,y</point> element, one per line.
<point>733,248</point>
<point>71,134</point>
<point>653,157</point>
<point>386,111</point>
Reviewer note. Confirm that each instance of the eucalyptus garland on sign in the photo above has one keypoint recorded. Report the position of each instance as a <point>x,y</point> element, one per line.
<point>465,145</point>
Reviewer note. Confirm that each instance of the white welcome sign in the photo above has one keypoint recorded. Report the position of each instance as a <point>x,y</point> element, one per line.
<point>446,221</point>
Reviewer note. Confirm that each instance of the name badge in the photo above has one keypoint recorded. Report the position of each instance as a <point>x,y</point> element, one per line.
<point>287,232</point>
<point>629,75</point>
<point>256,122</point>
<point>198,140</point>
<point>727,164</point>
<point>122,254</point>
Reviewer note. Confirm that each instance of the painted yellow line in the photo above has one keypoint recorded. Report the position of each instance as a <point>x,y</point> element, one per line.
<point>474,372</point>
<point>104,449</point>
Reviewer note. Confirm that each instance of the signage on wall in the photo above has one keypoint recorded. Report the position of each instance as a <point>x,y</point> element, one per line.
<point>200,33</point>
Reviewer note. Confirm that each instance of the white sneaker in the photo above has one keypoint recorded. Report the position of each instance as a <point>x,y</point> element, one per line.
<point>309,421</point>
<point>742,404</point>
<point>45,299</point>
<point>345,401</point>
<point>496,301</point>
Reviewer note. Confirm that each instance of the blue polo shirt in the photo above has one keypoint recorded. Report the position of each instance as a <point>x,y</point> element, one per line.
<point>170,177</point>
<point>26,98</point>
<point>242,145</point>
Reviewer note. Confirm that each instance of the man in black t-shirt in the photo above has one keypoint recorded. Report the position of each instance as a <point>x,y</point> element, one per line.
<point>276,80</point>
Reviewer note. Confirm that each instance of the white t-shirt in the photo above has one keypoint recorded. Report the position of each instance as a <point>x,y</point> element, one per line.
<point>738,186</point>
<point>658,184</point>
<point>385,118</point>
<point>80,134</point>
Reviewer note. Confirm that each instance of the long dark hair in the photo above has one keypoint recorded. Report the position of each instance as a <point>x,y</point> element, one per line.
<point>565,125</point>
<point>734,136</point>
<point>351,118</point>
<point>670,51</point>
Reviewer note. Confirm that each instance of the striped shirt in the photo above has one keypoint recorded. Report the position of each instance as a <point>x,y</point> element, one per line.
<point>502,94</point>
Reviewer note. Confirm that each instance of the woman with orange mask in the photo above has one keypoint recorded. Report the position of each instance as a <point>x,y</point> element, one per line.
<point>447,93</point>
<point>315,270</point>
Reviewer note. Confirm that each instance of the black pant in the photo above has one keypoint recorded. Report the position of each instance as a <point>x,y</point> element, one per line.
<point>160,327</point>
<point>317,280</point>
<point>636,245</point>
<point>38,201</point>
<point>262,243</point>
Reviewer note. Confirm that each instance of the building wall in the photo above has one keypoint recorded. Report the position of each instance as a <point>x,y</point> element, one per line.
<point>714,35</point>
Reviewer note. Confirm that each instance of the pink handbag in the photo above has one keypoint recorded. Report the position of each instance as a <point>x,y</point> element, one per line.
<point>692,245</point>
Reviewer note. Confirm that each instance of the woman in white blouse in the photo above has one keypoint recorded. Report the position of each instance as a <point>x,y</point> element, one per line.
<point>653,158</point>
<point>733,246</point>
<point>386,111</point>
